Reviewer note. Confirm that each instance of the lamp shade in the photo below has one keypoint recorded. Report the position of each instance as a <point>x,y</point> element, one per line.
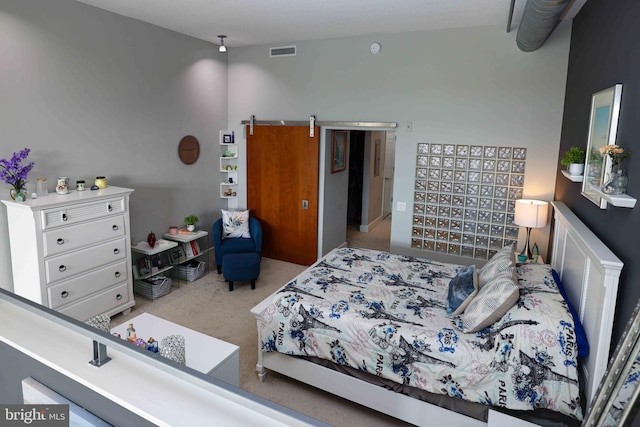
<point>531,213</point>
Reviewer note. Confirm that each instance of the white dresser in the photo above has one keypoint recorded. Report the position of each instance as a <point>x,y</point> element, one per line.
<point>71,252</point>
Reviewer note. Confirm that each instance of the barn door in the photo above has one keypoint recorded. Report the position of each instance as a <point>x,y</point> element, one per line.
<point>282,190</point>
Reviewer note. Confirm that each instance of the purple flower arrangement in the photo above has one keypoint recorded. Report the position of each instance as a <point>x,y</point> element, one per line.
<point>13,172</point>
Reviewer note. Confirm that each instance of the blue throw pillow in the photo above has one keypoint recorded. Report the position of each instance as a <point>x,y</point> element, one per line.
<point>462,289</point>
<point>581,336</point>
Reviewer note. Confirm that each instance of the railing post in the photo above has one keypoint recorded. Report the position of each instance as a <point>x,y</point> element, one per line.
<point>99,354</point>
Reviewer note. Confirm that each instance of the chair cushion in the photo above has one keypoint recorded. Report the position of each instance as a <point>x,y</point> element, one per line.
<point>235,224</point>
<point>232,246</point>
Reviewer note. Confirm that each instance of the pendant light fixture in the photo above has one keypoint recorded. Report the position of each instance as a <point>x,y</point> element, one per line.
<point>222,47</point>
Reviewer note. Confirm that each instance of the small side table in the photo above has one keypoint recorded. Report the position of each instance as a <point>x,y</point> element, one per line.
<point>147,262</point>
<point>193,245</point>
<point>144,258</point>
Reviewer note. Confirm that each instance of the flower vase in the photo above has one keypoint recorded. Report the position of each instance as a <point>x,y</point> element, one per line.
<point>617,184</point>
<point>19,195</point>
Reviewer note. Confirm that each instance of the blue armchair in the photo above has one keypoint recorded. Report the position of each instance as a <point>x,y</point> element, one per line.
<point>223,247</point>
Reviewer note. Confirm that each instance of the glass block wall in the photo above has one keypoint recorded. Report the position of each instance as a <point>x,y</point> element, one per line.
<point>464,198</point>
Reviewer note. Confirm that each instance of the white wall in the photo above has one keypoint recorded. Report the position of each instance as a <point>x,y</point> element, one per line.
<point>461,86</point>
<point>94,93</point>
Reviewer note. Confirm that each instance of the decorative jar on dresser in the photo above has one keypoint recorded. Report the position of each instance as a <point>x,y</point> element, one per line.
<point>71,252</point>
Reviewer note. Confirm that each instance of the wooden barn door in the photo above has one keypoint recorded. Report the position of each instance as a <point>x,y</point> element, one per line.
<point>282,190</point>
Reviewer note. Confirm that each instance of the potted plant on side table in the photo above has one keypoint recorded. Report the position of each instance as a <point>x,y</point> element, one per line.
<point>191,221</point>
<point>574,159</point>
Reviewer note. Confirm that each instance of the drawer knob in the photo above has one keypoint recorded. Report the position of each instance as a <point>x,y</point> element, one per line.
<point>116,251</point>
<point>60,241</point>
<point>62,268</point>
<point>109,207</point>
<point>118,274</point>
<point>64,294</point>
<point>119,297</point>
<point>64,217</point>
<point>114,227</point>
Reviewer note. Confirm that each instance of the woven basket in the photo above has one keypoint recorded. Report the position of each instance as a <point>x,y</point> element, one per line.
<point>152,288</point>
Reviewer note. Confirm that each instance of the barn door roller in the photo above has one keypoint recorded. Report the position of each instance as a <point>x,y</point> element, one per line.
<point>313,122</point>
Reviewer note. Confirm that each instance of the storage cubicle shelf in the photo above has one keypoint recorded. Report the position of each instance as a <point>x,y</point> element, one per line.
<point>145,249</point>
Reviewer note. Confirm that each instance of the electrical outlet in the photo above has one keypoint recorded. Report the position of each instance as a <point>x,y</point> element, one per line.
<point>408,126</point>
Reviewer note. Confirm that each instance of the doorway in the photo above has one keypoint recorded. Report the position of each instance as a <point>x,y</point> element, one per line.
<point>371,169</point>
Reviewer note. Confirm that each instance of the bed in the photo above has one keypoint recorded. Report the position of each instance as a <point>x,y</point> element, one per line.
<point>425,375</point>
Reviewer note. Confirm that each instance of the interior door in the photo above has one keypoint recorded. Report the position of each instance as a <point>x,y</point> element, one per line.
<point>282,190</point>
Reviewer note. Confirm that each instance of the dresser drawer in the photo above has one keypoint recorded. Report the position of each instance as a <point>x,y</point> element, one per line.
<point>98,304</point>
<point>82,286</point>
<point>70,238</point>
<point>74,263</point>
<point>81,212</point>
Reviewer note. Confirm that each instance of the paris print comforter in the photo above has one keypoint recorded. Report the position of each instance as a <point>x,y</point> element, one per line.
<point>386,314</point>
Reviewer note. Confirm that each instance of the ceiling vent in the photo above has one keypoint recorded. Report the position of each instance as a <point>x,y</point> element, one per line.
<point>276,52</point>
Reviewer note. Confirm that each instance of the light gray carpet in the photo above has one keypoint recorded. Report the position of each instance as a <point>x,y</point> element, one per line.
<point>207,306</point>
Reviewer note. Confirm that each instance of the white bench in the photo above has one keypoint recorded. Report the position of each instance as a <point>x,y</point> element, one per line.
<point>203,353</point>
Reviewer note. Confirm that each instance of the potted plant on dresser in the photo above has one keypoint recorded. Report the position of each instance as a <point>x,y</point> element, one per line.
<point>574,160</point>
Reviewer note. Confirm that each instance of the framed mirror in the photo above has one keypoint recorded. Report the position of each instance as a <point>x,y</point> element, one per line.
<point>616,402</point>
<point>603,126</point>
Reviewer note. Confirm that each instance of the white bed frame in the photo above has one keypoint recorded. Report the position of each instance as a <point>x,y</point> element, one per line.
<point>589,272</point>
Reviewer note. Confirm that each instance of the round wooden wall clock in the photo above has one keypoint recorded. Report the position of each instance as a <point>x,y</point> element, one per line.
<point>189,150</point>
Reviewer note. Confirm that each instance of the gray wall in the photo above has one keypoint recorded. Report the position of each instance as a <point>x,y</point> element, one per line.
<point>334,205</point>
<point>94,93</point>
<point>462,86</point>
<point>604,51</point>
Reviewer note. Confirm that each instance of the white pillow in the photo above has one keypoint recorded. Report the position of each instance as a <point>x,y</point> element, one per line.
<point>493,300</point>
<point>502,261</point>
<point>235,224</point>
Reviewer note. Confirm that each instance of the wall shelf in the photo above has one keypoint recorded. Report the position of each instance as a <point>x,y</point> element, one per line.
<point>619,200</point>
<point>574,178</point>
<point>228,165</point>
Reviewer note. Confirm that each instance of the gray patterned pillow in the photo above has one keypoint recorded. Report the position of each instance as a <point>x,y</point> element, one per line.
<point>502,261</point>
<point>494,299</point>
<point>235,224</point>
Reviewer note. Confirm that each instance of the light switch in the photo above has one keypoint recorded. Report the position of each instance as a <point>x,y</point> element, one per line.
<point>305,204</point>
<point>401,207</point>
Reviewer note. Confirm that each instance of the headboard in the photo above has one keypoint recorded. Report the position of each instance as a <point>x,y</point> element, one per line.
<point>589,272</point>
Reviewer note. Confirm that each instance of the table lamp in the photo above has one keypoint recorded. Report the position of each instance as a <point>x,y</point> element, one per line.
<point>530,214</point>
